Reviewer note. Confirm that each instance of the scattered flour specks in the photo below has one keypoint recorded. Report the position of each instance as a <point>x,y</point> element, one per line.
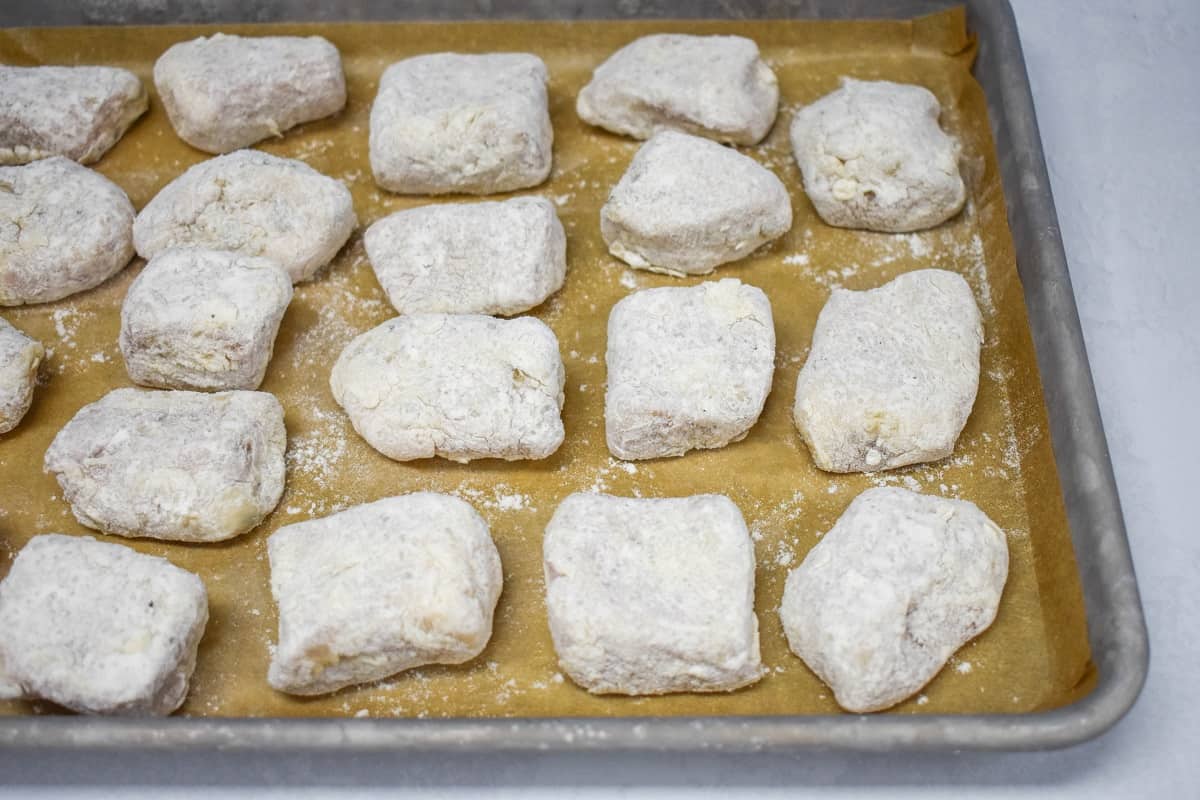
<point>500,498</point>
<point>65,320</point>
<point>917,246</point>
<point>318,453</point>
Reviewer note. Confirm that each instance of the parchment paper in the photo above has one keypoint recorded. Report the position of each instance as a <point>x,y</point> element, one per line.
<point>1035,656</point>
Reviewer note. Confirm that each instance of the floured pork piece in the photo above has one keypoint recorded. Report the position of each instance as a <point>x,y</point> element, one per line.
<point>63,229</point>
<point>712,86</point>
<point>688,368</point>
<point>873,156</point>
<point>99,628</point>
<point>380,588</point>
<point>181,466</point>
<point>251,203</point>
<point>470,258</point>
<point>899,583</point>
<point>225,92</point>
<point>459,386</point>
<point>892,373</point>
<point>448,122</point>
<point>74,112</point>
<point>650,596</point>
<point>687,205</point>
<point>19,360</point>
<point>203,319</point>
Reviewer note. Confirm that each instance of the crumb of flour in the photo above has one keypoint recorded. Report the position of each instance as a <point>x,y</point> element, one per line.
<point>500,497</point>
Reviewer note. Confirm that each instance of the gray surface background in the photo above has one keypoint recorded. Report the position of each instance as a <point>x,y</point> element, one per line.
<point>1119,107</point>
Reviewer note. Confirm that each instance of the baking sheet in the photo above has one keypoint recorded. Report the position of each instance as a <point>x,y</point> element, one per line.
<point>1034,657</point>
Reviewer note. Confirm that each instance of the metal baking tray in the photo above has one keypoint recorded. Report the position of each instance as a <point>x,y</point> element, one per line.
<point>1116,627</point>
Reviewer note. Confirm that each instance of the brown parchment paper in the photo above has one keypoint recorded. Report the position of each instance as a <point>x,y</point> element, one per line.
<point>1035,656</point>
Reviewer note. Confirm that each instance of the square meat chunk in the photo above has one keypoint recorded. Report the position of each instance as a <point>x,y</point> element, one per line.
<point>688,368</point>
<point>650,596</point>
<point>99,628</point>
<point>449,122</point>
<point>380,588</point>
<point>203,319</point>
<point>873,156</point>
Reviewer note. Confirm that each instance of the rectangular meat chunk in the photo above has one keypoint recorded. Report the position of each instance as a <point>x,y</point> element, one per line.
<point>470,258</point>
<point>75,112</point>
<point>224,92</point>
<point>892,373</point>
<point>176,465</point>
<point>99,628</point>
<point>459,386</point>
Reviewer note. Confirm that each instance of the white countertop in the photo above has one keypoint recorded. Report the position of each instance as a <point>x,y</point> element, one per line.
<point>1118,100</point>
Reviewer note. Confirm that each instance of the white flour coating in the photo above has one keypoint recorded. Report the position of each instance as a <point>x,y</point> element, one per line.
<point>380,588</point>
<point>873,156</point>
<point>899,583</point>
<point>63,229</point>
<point>19,359</point>
<point>100,628</point>
<point>892,373</point>
<point>460,386</point>
<point>203,319</point>
<point>225,92</point>
<point>712,86</point>
<point>652,596</point>
<point>252,203</point>
<point>9,688</point>
<point>688,368</point>
<point>181,466</point>
<point>470,258</point>
<point>448,122</point>
<point>75,112</point>
<point>687,205</point>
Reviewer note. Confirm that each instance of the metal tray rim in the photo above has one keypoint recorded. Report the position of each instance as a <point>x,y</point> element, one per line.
<point>1117,629</point>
